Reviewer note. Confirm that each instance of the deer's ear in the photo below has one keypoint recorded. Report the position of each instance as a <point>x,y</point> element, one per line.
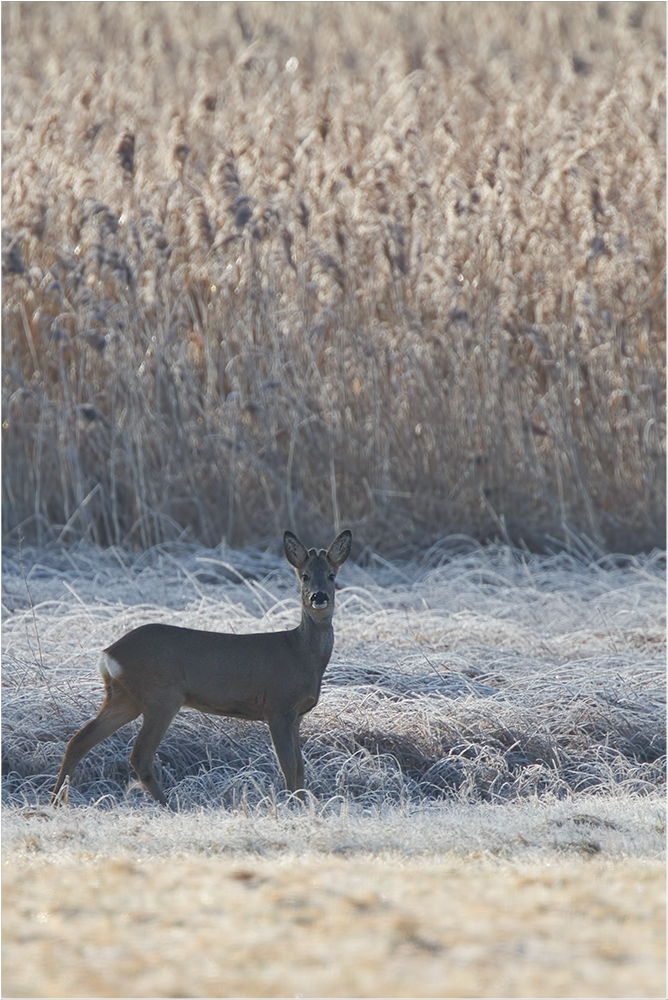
<point>295,552</point>
<point>339,550</point>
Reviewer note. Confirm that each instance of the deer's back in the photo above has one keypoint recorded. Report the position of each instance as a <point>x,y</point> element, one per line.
<point>221,673</point>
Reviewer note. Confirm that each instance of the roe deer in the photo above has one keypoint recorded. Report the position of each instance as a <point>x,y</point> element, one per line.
<point>273,676</point>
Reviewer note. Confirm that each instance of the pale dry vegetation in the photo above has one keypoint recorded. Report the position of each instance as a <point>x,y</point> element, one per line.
<point>368,927</point>
<point>398,266</point>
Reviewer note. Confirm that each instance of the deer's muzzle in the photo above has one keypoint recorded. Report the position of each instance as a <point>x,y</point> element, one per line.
<point>319,601</point>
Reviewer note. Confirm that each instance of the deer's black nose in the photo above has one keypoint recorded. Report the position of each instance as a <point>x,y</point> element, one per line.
<point>319,600</point>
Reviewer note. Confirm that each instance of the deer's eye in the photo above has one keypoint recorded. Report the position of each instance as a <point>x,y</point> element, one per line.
<point>332,576</point>
<point>306,578</point>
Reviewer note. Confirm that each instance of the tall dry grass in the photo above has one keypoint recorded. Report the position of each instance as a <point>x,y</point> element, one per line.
<point>394,265</point>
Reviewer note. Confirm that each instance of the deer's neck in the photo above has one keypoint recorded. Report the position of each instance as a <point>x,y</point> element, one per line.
<point>318,636</point>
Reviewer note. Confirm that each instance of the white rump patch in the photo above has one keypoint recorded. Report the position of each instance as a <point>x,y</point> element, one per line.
<point>108,665</point>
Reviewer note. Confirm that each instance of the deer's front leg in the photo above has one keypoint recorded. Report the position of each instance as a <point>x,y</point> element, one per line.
<point>284,731</point>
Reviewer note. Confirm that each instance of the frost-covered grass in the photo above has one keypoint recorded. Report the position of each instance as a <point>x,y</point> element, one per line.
<point>617,828</point>
<point>479,699</point>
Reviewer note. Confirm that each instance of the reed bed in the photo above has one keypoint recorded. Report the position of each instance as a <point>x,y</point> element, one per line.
<point>399,267</point>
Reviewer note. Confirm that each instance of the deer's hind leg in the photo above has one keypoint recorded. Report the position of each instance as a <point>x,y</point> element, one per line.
<point>156,722</point>
<point>118,708</point>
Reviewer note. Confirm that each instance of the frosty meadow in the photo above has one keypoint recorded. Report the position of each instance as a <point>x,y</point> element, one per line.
<point>477,674</point>
<point>491,725</point>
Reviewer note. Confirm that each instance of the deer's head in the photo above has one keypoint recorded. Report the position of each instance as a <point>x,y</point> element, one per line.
<point>317,570</point>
